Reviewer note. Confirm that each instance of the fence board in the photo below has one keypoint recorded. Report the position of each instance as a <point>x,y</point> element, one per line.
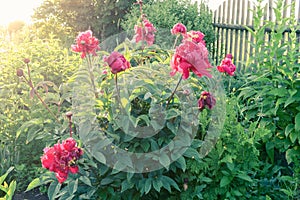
<point>230,20</point>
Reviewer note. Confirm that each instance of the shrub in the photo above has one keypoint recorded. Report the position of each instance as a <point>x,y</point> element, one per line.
<point>26,127</point>
<point>270,95</point>
<point>137,125</point>
<point>195,16</point>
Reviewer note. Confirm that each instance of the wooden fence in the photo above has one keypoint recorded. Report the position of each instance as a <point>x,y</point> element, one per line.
<point>230,20</point>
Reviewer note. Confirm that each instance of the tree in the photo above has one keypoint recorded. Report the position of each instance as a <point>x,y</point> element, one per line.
<point>15,26</point>
<point>100,16</point>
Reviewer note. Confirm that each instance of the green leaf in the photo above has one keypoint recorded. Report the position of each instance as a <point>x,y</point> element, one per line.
<point>288,129</point>
<point>106,181</point>
<point>172,113</point>
<point>32,133</point>
<point>85,180</point>
<point>3,177</point>
<point>270,150</point>
<point>53,190</point>
<point>125,102</point>
<point>145,145</point>
<point>297,122</point>
<point>182,163</point>
<point>225,181</point>
<point>237,193</point>
<point>126,185</point>
<point>147,186</point>
<point>144,118</point>
<point>293,136</point>
<point>291,155</point>
<point>100,157</point>
<point>244,177</point>
<point>11,190</point>
<point>167,181</point>
<point>129,176</point>
<point>157,184</point>
<point>73,185</point>
<point>164,160</point>
<point>33,184</point>
<point>192,153</point>
<point>290,100</point>
<point>206,179</point>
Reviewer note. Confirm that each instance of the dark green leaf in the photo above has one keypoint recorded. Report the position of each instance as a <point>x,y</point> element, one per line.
<point>225,181</point>
<point>297,122</point>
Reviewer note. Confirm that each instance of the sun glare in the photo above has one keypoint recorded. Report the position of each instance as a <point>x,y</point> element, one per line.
<point>12,10</point>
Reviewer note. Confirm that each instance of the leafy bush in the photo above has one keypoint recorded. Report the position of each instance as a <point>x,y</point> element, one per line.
<point>65,18</point>
<point>271,94</point>
<point>256,156</point>
<point>195,16</point>
<point>137,127</point>
<point>8,190</point>
<point>26,127</point>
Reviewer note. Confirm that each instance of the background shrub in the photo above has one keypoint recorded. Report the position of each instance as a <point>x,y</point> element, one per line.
<point>165,14</point>
<point>26,127</point>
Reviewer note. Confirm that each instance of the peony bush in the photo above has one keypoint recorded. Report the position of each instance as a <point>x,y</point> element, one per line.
<point>140,114</point>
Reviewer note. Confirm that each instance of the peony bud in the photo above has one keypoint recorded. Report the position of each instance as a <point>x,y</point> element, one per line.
<point>20,72</point>
<point>26,60</point>
<point>69,114</point>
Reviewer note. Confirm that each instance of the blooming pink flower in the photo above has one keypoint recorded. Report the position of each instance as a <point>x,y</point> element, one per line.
<point>190,56</point>
<point>61,158</point>
<point>227,66</point>
<point>206,100</point>
<point>117,62</point>
<point>86,44</point>
<point>144,32</point>
<point>195,36</point>
<point>178,28</point>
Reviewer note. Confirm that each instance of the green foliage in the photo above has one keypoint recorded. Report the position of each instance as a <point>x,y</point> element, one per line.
<point>193,15</point>
<point>125,109</point>
<point>26,126</point>
<point>8,190</point>
<point>234,169</point>
<point>256,157</point>
<point>271,94</point>
<point>67,17</point>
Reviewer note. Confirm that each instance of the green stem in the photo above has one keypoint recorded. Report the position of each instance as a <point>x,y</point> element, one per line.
<point>229,86</point>
<point>117,87</point>
<point>176,41</point>
<point>70,126</point>
<point>171,97</point>
<point>90,70</point>
<point>29,82</point>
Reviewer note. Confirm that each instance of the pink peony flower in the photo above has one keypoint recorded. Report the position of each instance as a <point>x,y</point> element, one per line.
<point>144,32</point>
<point>190,56</point>
<point>206,100</point>
<point>117,62</point>
<point>195,36</point>
<point>61,176</point>
<point>86,44</point>
<point>227,66</point>
<point>74,169</point>
<point>61,158</point>
<point>178,28</point>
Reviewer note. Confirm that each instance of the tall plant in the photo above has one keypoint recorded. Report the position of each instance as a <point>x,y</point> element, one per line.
<point>138,119</point>
<point>271,94</point>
